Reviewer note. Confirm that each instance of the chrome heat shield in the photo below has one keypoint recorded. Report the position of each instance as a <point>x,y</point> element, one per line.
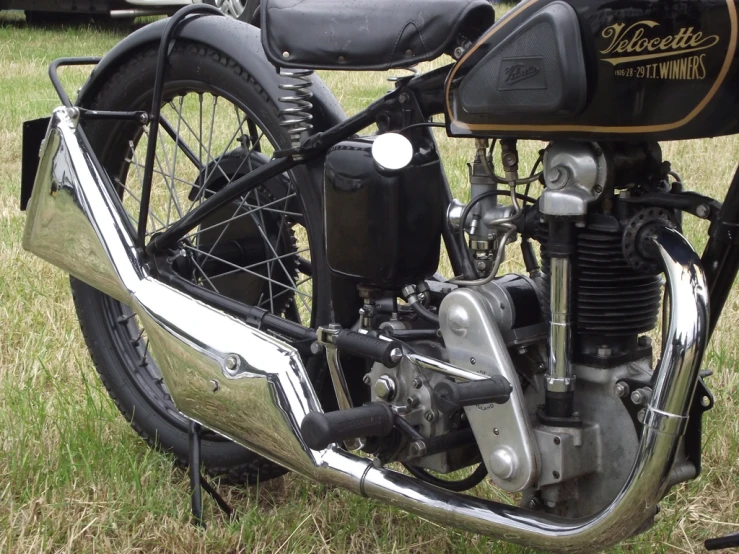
<point>75,221</point>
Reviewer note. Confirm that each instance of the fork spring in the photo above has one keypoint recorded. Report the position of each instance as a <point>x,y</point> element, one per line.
<point>297,118</point>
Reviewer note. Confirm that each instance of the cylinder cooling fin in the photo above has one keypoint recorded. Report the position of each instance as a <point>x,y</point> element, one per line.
<point>612,303</point>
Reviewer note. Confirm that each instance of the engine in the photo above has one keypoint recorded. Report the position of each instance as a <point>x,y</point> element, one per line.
<point>569,336</point>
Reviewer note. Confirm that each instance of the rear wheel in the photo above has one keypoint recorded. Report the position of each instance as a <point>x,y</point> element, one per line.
<point>263,250</point>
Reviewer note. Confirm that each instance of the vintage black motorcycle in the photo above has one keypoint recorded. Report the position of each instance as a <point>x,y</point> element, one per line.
<point>246,258</point>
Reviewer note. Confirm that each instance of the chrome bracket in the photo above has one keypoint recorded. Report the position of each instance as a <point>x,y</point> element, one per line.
<point>326,337</point>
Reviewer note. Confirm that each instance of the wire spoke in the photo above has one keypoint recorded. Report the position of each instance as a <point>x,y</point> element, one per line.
<point>252,266</point>
<point>226,262</point>
<point>277,256</point>
<point>241,215</point>
<point>194,158</point>
<point>260,302</point>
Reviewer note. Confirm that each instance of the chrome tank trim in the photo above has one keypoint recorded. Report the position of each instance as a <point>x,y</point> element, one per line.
<point>263,398</point>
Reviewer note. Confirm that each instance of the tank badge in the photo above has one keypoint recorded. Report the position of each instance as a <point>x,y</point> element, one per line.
<point>522,74</point>
<point>677,56</point>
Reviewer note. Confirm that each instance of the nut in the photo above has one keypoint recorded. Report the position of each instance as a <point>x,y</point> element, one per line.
<point>604,351</point>
<point>385,387</point>
<point>429,416</point>
<point>641,397</point>
<point>417,383</point>
<point>417,449</point>
<point>621,389</point>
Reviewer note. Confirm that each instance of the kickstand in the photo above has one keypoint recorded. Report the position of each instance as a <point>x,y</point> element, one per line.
<point>197,480</point>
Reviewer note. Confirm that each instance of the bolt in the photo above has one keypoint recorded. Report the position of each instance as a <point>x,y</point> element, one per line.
<point>316,348</point>
<point>533,504</point>
<point>480,266</point>
<point>641,415</point>
<point>621,389</point>
<point>396,354</point>
<point>641,396</point>
<point>522,350</point>
<point>417,383</point>
<point>214,385</point>
<point>385,387</point>
<point>413,401</point>
<point>429,416</point>
<point>473,361</point>
<point>645,341</point>
<point>555,474</point>
<point>702,211</point>
<point>232,362</point>
<point>403,98</point>
<point>557,441</point>
<point>417,449</point>
<point>367,379</point>
<point>598,189</point>
<point>286,54</point>
<point>554,174</point>
<point>458,52</point>
<point>143,118</point>
<point>496,431</point>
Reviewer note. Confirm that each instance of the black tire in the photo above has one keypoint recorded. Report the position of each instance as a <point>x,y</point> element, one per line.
<point>132,381</point>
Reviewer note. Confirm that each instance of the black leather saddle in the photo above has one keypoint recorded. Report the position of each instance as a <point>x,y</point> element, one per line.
<point>368,34</point>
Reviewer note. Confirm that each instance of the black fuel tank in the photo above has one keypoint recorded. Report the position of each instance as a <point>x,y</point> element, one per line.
<point>601,69</point>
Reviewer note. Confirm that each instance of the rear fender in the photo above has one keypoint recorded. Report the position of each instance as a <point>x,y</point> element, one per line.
<point>237,40</point>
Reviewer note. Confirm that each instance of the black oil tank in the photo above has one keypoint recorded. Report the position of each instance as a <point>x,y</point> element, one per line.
<point>601,69</point>
<point>382,229</point>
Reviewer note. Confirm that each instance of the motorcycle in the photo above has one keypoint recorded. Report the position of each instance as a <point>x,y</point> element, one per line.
<point>256,274</point>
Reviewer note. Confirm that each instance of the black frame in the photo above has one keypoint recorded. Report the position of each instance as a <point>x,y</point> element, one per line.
<point>414,100</point>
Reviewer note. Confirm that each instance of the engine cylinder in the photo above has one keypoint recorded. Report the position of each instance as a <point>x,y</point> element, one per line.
<point>611,302</point>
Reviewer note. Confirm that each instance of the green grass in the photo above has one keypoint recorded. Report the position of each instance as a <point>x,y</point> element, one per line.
<point>73,475</point>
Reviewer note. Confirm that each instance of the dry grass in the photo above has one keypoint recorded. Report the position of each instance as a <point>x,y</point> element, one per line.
<point>75,478</point>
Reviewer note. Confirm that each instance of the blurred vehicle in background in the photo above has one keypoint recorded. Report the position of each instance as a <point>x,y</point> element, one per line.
<point>38,11</point>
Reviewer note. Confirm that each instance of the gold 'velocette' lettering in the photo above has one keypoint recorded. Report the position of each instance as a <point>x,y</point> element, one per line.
<point>631,43</point>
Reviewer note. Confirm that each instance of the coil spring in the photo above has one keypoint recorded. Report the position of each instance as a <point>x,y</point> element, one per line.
<point>297,119</point>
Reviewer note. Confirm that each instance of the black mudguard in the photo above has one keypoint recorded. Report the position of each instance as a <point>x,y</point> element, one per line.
<point>239,41</point>
<point>242,43</point>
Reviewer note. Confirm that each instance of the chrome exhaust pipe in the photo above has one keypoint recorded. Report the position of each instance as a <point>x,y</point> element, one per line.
<point>263,390</point>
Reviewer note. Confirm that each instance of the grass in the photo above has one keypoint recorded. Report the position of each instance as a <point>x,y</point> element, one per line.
<point>75,478</point>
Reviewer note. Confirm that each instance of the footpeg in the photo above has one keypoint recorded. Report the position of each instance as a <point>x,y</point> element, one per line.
<point>453,396</point>
<point>321,429</point>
